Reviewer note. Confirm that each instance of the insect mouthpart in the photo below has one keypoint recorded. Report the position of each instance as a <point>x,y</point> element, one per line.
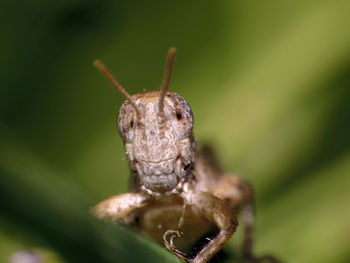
<point>162,176</point>
<point>160,183</point>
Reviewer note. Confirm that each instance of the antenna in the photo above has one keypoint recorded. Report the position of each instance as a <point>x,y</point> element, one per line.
<point>105,72</point>
<point>167,75</point>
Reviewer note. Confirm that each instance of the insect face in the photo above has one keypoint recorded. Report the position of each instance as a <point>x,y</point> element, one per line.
<point>156,128</point>
<point>158,142</point>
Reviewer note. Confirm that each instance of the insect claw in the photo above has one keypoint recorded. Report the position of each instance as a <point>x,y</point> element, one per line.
<point>170,244</point>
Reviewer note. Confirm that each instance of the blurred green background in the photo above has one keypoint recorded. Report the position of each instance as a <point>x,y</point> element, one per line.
<point>269,85</point>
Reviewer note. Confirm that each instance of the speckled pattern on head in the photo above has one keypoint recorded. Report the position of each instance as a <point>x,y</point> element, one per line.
<point>159,144</point>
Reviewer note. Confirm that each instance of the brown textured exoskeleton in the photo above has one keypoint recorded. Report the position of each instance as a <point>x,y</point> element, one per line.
<point>178,191</point>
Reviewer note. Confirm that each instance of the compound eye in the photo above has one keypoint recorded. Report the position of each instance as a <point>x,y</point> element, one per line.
<point>181,115</point>
<point>126,122</point>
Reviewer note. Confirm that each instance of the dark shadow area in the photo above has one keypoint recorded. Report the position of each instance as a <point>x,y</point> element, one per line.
<point>72,21</point>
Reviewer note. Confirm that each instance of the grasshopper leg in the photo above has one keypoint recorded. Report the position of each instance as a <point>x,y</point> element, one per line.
<point>115,208</point>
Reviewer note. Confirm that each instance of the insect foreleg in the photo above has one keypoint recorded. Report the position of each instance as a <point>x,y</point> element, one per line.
<point>220,213</point>
<point>117,207</point>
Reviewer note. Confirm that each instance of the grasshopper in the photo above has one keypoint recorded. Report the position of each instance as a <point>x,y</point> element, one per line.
<point>177,189</point>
